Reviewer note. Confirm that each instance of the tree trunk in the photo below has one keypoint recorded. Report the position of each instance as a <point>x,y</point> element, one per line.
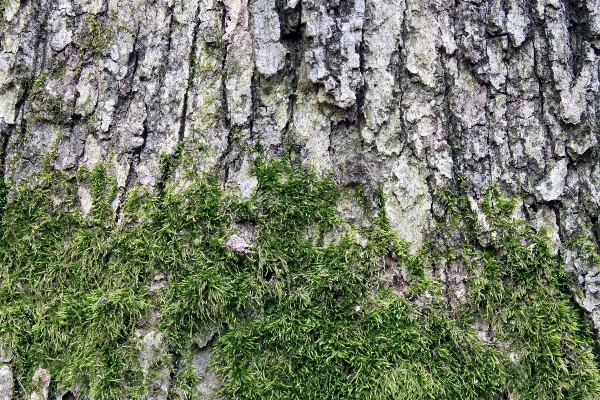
<point>407,99</point>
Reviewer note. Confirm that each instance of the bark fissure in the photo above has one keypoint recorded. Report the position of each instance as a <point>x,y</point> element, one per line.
<point>192,73</point>
<point>225,108</point>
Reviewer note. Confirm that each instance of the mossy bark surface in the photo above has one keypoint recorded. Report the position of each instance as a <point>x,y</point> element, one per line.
<point>299,198</point>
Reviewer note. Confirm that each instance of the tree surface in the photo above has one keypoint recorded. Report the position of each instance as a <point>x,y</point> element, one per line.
<point>460,137</point>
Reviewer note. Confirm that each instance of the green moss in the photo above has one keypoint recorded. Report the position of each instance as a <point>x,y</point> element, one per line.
<point>585,248</point>
<point>125,29</point>
<point>522,292</point>
<point>296,318</point>
<point>95,36</point>
<point>48,107</point>
<point>3,5</point>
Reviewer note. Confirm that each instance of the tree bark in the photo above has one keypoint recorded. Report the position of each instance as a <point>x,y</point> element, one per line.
<point>410,96</point>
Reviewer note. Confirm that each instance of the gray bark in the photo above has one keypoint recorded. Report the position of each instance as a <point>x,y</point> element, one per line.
<point>408,94</point>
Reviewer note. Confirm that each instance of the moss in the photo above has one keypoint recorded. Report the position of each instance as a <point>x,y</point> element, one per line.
<point>296,318</point>
<point>522,292</point>
<point>47,106</point>
<point>211,48</point>
<point>585,248</point>
<point>125,29</point>
<point>3,5</point>
<point>95,36</point>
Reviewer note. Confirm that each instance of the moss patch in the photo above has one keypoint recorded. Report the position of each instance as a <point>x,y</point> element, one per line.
<point>522,293</point>
<point>297,317</point>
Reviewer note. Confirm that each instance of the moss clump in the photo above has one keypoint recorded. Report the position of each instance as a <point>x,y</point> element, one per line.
<point>521,291</point>
<point>296,318</point>
<point>47,106</point>
<point>95,37</point>
<point>324,329</point>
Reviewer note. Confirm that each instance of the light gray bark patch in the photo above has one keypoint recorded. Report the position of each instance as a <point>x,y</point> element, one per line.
<point>153,348</point>
<point>269,54</point>
<point>6,382</point>
<point>333,37</point>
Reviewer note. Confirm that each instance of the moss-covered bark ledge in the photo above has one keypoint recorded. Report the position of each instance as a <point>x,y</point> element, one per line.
<point>295,316</point>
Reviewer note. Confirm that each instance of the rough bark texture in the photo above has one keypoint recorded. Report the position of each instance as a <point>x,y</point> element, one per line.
<point>411,95</point>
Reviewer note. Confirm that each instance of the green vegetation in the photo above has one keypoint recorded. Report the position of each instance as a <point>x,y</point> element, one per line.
<point>95,36</point>
<point>522,292</point>
<point>48,106</point>
<point>3,4</point>
<point>298,317</point>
